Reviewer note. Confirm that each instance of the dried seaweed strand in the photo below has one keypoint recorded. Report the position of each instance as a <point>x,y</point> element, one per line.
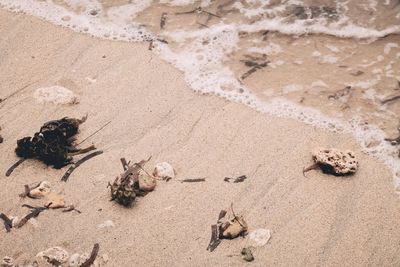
<point>163,20</point>
<point>71,208</point>
<point>78,163</point>
<point>14,166</point>
<point>92,257</point>
<point>7,222</point>
<point>309,168</point>
<point>195,180</point>
<point>390,99</point>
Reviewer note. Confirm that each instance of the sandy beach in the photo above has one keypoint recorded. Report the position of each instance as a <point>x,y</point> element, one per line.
<point>318,220</point>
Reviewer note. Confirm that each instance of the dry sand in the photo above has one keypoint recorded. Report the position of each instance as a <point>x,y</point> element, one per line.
<point>316,221</point>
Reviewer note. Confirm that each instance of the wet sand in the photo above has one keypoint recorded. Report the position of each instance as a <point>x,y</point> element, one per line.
<point>316,221</point>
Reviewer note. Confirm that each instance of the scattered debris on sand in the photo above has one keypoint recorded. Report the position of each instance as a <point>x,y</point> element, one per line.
<point>8,224</point>
<point>334,161</point>
<point>226,228</point>
<point>134,182</point>
<point>164,171</point>
<point>56,256</point>
<point>247,254</point>
<point>235,180</point>
<point>1,138</point>
<point>53,144</point>
<point>163,20</point>
<point>78,163</point>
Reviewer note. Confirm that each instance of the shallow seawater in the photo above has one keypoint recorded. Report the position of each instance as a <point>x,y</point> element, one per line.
<point>331,63</point>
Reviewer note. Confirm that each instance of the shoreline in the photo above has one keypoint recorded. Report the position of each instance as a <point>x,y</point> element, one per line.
<point>319,220</point>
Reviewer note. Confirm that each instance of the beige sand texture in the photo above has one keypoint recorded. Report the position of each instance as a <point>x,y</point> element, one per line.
<point>316,221</point>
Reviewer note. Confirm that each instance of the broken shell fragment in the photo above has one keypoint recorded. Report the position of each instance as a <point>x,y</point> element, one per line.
<point>52,256</point>
<point>234,227</point>
<point>164,171</point>
<point>54,201</point>
<point>260,236</point>
<point>7,262</point>
<point>40,191</point>
<point>335,161</point>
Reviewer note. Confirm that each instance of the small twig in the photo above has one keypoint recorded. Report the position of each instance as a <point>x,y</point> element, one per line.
<point>34,213</point>
<point>101,128</point>
<point>14,166</point>
<point>124,164</point>
<point>7,222</point>
<point>222,214</point>
<point>214,241</point>
<point>78,163</point>
<point>204,25</point>
<point>71,208</point>
<point>195,180</point>
<point>309,168</point>
<point>92,257</point>
<point>390,99</point>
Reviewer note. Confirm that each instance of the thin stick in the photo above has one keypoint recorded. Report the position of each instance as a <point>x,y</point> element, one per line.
<point>101,128</point>
<point>124,164</point>
<point>82,151</point>
<point>15,165</point>
<point>195,180</point>
<point>390,99</point>
<point>34,213</point>
<point>309,168</point>
<point>78,163</point>
<point>92,257</point>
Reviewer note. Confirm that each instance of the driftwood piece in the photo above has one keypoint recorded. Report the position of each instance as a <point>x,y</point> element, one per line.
<point>254,67</point>
<point>215,241</point>
<point>14,166</point>
<point>93,255</point>
<point>78,163</point>
<point>7,222</point>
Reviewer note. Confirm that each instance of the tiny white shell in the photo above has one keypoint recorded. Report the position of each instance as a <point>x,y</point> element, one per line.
<point>55,253</point>
<point>164,170</point>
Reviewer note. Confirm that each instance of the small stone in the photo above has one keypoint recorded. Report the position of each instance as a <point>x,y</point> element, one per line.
<point>335,161</point>
<point>55,95</point>
<point>55,256</point>
<point>164,171</point>
<point>146,182</point>
<point>247,254</point>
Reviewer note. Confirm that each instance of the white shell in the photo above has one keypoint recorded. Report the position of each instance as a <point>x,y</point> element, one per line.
<point>341,162</point>
<point>55,253</point>
<point>106,224</point>
<point>164,170</point>
<point>260,236</point>
<point>74,260</point>
<point>55,95</point>
<point>43,189</point>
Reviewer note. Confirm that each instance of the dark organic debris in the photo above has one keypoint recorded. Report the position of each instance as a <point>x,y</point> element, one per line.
<point>35,211</point>
<point>357,73</point>
<point>254,63</point>
<point>7,222</point>
<point>134,182</point>
<point>93,255</point>
<point>311,12</point>
<point>53,143</point>
<point>27,191</point>
<point>14,166</point>
<point>247,254</point>
<point>390,99</point>
<point>235,180</point>
<point>1,138</point>
<point>341,93</point>
<point>193,180</point>
<point>78,163</point>
<point>71,208</point>
<point>228,229</point>
<point>198,10</point>
<point>163,20</point>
